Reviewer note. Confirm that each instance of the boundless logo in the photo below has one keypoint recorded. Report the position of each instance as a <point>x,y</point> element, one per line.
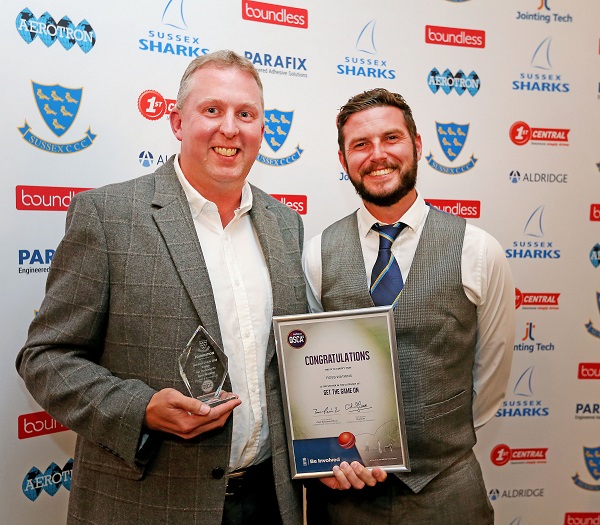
<point>277,129</point>
<point>296,202</point>
<point>452,138</point>
<point>592,330</point>
<point>595,212</point>
<point>524,404</point>
<point>152,105</point>
<point>543,14</point>
<point>536,301</point>
<point>364,63</point>
<point>529,344</point>
<point>58,106</point>
<point>446,81</point>
<point>462,208</point>
<point>533,249</point>
<point>582,518</point>
<point>538,78</point>
<point>38,424</point>
<point>277,64</point>
<point>45,198</point>
<point>588,371</point>
<point>502,454</point>
<point>173,42</point>
<point>274,14</point>
<point>50,481</point>
<point>537,178</point>
<point>49,31</point>
<point>595,255</point>
<point>455,36</point>
<point>591,457</point>
<point>495,494</point>
<point>520,133</point>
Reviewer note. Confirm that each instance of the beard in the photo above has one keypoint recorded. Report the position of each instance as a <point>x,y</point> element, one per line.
<point>407,182</point>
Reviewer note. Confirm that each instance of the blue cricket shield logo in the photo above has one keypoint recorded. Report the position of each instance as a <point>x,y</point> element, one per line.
<point>277,127</point>
<point>58,105</point>
<point>592,461</point>
<point>452,138</point>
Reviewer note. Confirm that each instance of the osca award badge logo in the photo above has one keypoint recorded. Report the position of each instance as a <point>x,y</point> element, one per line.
<point>58,106</point>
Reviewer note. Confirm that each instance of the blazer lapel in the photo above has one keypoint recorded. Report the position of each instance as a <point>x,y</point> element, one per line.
<point>174,221</point>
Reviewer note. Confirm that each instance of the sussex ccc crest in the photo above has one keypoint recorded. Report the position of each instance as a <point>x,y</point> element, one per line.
<point>277,129</point>
<point>591,457</point>
<point>452,138</point>
<point>589,326</point>
<point>58,106</point>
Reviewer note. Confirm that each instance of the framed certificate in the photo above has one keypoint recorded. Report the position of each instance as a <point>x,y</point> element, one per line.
<point>341,390</point>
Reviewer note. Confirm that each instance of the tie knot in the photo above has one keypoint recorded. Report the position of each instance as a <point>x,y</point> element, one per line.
<point>388,233</point>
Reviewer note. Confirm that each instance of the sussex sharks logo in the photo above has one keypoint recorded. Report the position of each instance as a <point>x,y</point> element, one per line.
<point>452,138</point>
<point>591,457</point>
<point>58,106</point>
<point>277,129</point>
<point>589,326</point>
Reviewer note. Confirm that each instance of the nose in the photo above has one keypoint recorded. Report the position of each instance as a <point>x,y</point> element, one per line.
<point>229,126</point>
<point>378,152</point>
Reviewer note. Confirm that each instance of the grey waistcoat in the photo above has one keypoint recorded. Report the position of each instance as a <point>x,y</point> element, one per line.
<point>436,330</point>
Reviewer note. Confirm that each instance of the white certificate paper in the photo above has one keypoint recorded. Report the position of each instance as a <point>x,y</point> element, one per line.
<point>341,390</point>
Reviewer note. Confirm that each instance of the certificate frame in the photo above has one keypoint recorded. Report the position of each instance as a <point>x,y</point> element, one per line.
<point>341,390</point>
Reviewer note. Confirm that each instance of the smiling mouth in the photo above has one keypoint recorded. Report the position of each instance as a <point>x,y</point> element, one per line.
<point>227,152</point>
<point>381,172</point>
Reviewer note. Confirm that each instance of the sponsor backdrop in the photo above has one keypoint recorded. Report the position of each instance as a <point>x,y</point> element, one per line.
<point>506,98</point>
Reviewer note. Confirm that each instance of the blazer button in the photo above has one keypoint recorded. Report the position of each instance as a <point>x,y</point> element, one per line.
<point>218,472</point>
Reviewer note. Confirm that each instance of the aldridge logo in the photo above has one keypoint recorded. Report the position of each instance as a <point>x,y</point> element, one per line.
<point>274,14</point>
<point>38,424</point>
<point>45,198</point>
<point>454,36</point>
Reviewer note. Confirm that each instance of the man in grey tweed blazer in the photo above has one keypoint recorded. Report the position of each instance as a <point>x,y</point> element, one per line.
<point>454,318</point>
<point>141,265</point>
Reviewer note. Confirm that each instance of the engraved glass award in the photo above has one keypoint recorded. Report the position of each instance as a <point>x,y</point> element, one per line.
<point>203,368</point>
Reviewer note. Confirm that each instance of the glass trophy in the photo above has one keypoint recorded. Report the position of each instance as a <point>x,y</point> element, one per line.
<point>203,368</point>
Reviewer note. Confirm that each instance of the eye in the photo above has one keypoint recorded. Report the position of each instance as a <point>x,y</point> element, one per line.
<point>211,111</point>
<point>245,114</point>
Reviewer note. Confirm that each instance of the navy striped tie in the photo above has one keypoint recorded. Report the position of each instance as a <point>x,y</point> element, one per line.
<point>386,278</point>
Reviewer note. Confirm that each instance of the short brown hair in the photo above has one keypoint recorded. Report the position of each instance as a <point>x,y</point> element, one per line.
<point>372,99</point>
<point>222,59</point>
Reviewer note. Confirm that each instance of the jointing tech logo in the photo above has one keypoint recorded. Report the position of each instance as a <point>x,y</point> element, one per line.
<point>49,31</point>
<point>58,105</point>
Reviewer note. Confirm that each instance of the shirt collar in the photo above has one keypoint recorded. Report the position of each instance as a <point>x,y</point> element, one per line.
<point>198,202</point>
<point>413,218</point>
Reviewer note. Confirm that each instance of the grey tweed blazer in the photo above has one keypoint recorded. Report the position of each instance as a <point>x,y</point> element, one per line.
<point>127,287</point>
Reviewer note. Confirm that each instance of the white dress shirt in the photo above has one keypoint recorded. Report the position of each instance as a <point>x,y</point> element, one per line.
<point>487,282</point>
<point>242,291</point>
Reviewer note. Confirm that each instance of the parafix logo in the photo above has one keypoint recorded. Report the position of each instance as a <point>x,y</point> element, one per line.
<point>582,518</point>
<point>38,424</point>
<point>274,14</point>
<point>595,212</point>
<point>455,36</point>
<point>45,198</point>
<point>521,133</point>
<point>588,371</point>
<point>502,454</point>
<point>461,208</point>
<point>296,202</point>
<point>536,301</point>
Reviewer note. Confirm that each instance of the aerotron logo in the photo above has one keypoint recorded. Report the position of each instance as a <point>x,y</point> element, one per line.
<point>541,76</point>
<point>447,82</point>
<point>502,454</point>
<point>452,138</point>
<point>49,481</point>
<point>49,31</point>
<point>534,244</point>
<point>591,457</point>
<point>278,125</point>
<point>595,255</point>
<point>521,133</point>
<point>542,13</point>
<point>58,106</point>
<point>171,38</point>
<point>366,60</point>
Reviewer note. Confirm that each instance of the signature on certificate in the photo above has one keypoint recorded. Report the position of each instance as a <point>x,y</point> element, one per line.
<point>356,406</point>
<point>326,411</point>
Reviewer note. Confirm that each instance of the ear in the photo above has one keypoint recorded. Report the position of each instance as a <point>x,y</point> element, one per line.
<point>175,120</point>
<point>418,146</point>
<point>342,161</point>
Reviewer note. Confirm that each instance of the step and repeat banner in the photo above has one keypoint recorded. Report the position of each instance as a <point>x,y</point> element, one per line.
<point>506,96</point>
